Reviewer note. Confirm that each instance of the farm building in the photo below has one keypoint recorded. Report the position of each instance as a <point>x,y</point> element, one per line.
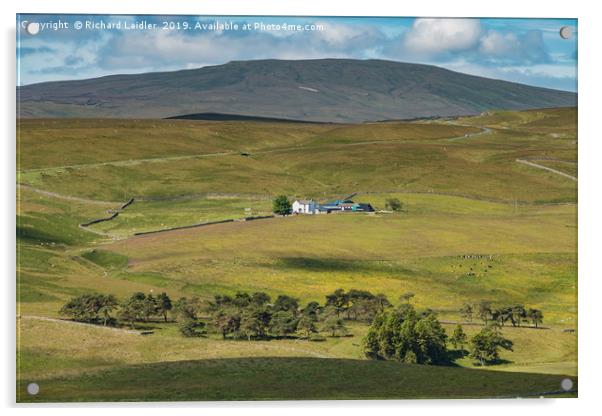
<point>346,205</point>
<point>304,206</point>
<point>356,207</point>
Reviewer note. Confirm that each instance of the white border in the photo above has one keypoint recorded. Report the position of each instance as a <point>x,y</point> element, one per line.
<point>589,195</point>
<point>458,8</point>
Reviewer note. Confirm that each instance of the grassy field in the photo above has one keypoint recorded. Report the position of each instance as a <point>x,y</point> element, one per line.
<point>392,253</point>
<point>102,364</point>
<point>319,161</point>
<point>476,225</point>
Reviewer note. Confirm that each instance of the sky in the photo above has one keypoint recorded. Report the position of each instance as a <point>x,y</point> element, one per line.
<point>529,51</point>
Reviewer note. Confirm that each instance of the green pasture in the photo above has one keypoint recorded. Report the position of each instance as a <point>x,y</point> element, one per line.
<point>107,365</point>
<point>475,225</point>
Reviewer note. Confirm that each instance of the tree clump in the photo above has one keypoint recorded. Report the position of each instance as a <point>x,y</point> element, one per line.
<point>393,204</point>
<point>516,315</point>
<point>486,345</point>
<point>405,335</point>
<point>91,308</point>
<point>281,205</point>
<point>399,333</point>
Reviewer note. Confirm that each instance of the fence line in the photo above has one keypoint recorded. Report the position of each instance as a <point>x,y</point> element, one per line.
<point>111,217</point>
<point>203,224</point>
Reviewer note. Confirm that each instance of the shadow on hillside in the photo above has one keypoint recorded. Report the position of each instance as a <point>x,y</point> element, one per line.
<point>457,354</point>
<point>239,117</point>
<point>35,235</point>
<point>499,361</point>
<point>331,265</point>
<point>294,378</point>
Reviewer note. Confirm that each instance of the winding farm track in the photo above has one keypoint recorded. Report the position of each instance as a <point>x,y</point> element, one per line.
<point>484,130</point>
<point>128,162</point>
<point>538,166</point>
<point>100,233</point>
<point>65,197</point>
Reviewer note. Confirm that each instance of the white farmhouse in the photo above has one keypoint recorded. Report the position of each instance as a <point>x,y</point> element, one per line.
<point>305,206</point>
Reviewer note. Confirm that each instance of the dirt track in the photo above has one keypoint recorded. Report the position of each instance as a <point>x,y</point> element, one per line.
<point>65,197</point>
<point>535,165</point>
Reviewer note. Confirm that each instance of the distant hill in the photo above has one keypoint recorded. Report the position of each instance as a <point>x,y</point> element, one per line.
<point>328,90</point>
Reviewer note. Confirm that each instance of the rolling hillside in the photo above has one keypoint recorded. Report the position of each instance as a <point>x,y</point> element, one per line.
<point>476,225</point>
<point>327,90</point>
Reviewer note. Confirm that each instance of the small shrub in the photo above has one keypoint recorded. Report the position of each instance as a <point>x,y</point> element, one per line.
<point>193,328</point>
<point>393,204</point>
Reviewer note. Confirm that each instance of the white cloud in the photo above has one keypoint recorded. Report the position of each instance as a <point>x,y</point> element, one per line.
<point>542,75</point>
<point>340,34</point>
<point>544,70</point>
<point>432,36</point>
<point>167,49</point>
<point>527,47</point>
<point>498,44</point>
